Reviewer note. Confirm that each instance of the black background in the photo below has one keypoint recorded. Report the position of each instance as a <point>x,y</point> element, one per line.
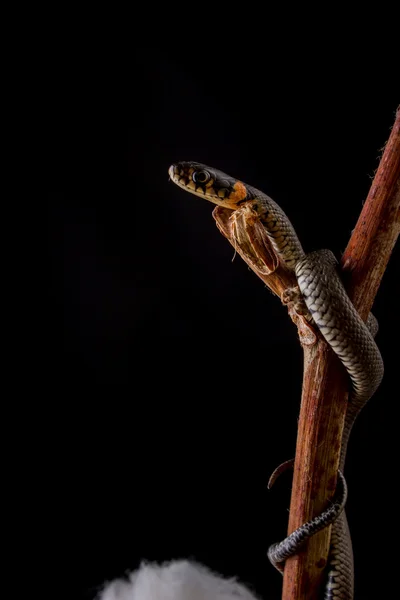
<point>177,374</point>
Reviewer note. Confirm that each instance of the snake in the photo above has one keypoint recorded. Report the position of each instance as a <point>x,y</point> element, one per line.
<point>323,292</point>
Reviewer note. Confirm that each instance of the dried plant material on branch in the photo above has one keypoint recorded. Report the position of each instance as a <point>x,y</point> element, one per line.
<point>247,235</point>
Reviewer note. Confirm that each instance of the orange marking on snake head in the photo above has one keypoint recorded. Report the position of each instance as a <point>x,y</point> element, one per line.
<point>239,192</point>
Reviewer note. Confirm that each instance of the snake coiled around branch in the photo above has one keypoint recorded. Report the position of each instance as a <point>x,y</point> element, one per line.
<point>338,322</point>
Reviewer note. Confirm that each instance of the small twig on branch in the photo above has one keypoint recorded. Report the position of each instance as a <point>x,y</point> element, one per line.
<point>325,382</point>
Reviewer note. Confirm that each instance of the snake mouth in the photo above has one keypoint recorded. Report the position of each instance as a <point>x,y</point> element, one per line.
<point>208,183</point>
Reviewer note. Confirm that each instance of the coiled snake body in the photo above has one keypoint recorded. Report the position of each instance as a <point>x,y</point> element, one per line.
<point>339,323</point>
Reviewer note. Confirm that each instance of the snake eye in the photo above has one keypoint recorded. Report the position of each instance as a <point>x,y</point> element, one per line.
<point>201,176</point>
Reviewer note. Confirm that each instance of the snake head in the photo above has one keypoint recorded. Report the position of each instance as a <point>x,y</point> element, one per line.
<point>208,183</point>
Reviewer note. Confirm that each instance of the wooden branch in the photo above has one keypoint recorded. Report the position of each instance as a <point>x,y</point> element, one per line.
<point>324,386</point>
<point>325,383</point>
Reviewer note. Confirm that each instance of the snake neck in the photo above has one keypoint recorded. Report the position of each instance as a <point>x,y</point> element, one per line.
<point>278,227</point>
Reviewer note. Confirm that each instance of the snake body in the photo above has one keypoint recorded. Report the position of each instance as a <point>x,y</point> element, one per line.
<point>339,323</point>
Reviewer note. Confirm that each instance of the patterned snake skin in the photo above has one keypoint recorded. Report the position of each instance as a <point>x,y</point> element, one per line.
<point>339,323</point>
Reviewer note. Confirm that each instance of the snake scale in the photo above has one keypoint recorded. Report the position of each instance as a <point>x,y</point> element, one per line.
<point>339,323</point>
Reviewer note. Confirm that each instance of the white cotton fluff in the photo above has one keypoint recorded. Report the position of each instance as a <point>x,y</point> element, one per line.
<point>178,580</point>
